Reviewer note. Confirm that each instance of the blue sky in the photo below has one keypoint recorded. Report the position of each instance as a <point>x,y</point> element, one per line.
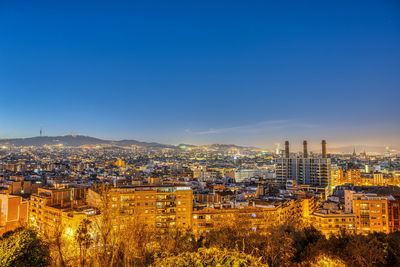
<point>245,72</point>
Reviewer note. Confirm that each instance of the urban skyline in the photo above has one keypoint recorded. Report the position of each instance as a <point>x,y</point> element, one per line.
<point>202,73</point>
<point>297,147</point>
<point>199,133</point>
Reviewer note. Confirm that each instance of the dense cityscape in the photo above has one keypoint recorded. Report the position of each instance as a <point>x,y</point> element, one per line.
<point>199,133</point>
<point>81,199</point>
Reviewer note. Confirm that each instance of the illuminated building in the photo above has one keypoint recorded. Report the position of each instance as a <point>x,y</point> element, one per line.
<point>242,174</point>
<point>206,219</point>
<point>205,175</point>
<point>159,206</point>
<point>304,170</point>
<point>260,214</point>
<point>358,178</point>
<point>119,163</point>
<point>329,223</point>
<point>353,176</point>
<point>216,198</point>
<point>371,213</point>
<point>51,207</point>
<point>19,187</point>
<point>13,212</point>
<point>394,214</point>
<point>337,177</point>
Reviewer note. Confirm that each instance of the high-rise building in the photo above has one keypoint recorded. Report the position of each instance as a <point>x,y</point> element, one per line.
<point>304,170</point>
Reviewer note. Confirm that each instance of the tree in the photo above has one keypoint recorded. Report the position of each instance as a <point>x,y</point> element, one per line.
<point>392,241</point>
<point>177,240</point>
<point>306,243</point>
<point>23,247</point>
<point>354,249</point>
<point>57,243</point>
<point>84,239</point>
<point>122,237</point>
<point>366,251</point>
<point>209,257</point>
<point>235,233</point>
<point>279,246</point>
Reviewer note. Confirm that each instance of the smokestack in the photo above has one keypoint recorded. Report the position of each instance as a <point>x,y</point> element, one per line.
<point>324,149</point>
<point>287,149</point>
<point>305,151</point>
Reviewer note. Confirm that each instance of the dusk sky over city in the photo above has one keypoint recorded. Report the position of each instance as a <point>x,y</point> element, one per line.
<point>249,73</point>
<point>199,133</point>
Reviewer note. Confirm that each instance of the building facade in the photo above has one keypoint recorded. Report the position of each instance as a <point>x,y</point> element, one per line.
<point>304,170</point>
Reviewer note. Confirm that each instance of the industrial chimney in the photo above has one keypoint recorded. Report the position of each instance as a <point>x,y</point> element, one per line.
<point>324,149</point>
<point>305,151</point>
<point>287,149</point>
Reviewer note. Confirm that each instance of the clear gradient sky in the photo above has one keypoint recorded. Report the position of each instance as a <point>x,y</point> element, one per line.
<point>244,72</point>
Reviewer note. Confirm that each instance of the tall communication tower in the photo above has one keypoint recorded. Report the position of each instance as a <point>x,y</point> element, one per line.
<point>41,132</point>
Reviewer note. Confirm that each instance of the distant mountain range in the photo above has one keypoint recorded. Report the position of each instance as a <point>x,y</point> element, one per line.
<point>80,140</point>
<point>75,141</point>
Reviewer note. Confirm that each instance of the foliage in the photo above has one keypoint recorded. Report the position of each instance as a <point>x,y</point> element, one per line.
<point>327,261</point>
<point>23,247</point>
<point>84,239</point>
<point>57,244</point>
<point>279,247</point>
<point>210,257</point>
<point>234,243</point>
<point>118,238</point>
<point>355,249</point>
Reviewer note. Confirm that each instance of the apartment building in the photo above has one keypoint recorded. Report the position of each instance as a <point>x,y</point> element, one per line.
<point>329,223</point>
<point>371,213</point>
<point>158,206</point>
<point>51,208</point>
<point>13,212</point>
<point>260,214</point>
